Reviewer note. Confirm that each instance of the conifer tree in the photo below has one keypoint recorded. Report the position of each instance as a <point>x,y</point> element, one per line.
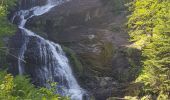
<point>149,28</point>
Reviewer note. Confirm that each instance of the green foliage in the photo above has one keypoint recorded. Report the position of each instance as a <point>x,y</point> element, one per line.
<point>6,86</point>
<point>20,88</point>
<point>149,26</point>
<point>156,70</point>
<point>6,28</point>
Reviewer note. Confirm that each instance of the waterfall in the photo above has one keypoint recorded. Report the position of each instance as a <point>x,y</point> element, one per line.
<point>54,65</point>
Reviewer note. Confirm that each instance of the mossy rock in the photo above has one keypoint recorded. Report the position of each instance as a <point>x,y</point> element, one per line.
<point>107,52</point>
<point>74,61</point>
<point>100,62</point>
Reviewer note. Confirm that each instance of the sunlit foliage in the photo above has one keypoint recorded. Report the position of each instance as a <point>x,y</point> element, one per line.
<point>20,88</point>
<point>6,28</point>
<point>149,28</point>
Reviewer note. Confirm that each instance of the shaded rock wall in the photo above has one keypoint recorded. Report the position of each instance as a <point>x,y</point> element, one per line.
<point>15,43</point>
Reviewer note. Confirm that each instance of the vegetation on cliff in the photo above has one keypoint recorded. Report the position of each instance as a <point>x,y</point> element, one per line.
<point>76,64</point>
<point>6,28</point>
<point>149,28</point>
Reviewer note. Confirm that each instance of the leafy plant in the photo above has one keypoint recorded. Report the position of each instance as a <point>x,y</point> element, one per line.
<point>20,88</point>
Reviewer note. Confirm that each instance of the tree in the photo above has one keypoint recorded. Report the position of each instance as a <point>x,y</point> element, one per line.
<point>149,28</point>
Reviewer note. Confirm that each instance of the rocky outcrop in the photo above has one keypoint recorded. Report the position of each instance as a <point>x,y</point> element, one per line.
<point>94,32</point>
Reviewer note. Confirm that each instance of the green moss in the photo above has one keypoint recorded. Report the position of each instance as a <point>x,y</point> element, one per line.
<point>76,64</point>
<point>107,52</point>
<point>99,62</point>
<point>7,31</point>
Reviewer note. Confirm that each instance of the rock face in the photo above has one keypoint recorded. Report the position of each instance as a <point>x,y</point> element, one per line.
<point>94,31</point>
<point>25,4</point>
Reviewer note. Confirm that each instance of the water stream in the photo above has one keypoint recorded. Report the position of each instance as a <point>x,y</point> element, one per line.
<point>55,65</point>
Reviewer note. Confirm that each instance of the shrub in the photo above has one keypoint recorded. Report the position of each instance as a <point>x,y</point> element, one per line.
<point>20,88</point>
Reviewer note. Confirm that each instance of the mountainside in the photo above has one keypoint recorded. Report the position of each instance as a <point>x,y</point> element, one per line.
<point>93,35</point>
<point>84,50</point>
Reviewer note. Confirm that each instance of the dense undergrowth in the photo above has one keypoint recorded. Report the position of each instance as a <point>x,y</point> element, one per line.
<point>149,28</point>
<point>20,88</point>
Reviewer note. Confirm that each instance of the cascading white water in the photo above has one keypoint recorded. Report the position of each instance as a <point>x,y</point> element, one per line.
<point>55,66</point>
